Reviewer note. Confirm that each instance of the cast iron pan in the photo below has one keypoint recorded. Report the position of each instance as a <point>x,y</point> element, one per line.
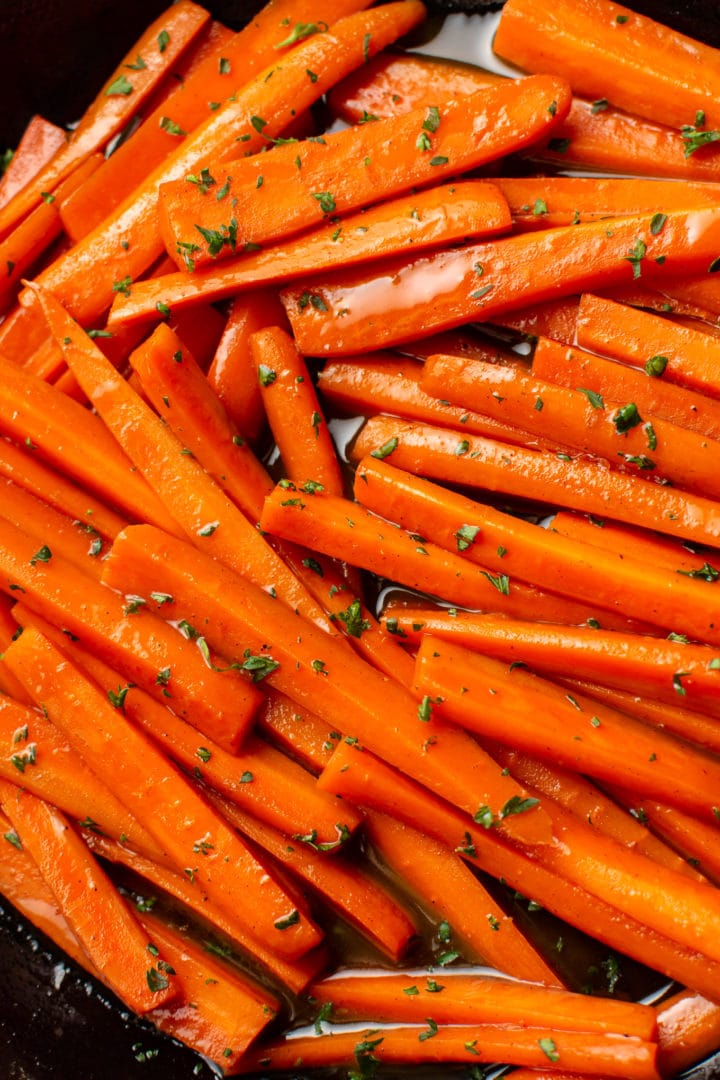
<point>54,1021</point>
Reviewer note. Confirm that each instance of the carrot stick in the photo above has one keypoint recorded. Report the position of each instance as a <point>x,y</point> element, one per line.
<point>387,306</point>
<point>551,318</point>
<point>275,197</point>
<point>479,999</point>
<point>72,440</point>
<point>634,62</point>
<point>206,514</point>
<point>115,104</point>
<point>232,372</point>
<point>425,219</point>
<point>115,627</point>
<point>84,277</point>
<point>182,396</point>
<point>163,800</point>
<point>628,1058</point>
<point>102,921</point>
<point>370,782</point>
<point>510,546</point>
<point>538,717</point>
<point>340,528</point>
<point>311,667</point>
<point>450,890</point>
<point>294,412</point>
<point>200,330</point>
<point>618,382</point>
<point>688,1030</point>
<point>636,337</point>
<point>542,477</point>
<point>296,730</point>
<point>39,142</point>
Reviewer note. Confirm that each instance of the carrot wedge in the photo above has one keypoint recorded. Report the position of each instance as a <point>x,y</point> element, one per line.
<point>424,219</point>
<point>197,839</point>
<point>39,142</point>
<point>113,939</point>
<point>689,357</point>
<point>688,1030</point>
<point>276,197</point>
<point>388,306</point>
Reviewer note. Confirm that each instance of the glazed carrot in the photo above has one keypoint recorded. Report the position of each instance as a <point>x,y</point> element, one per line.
<point>577,484</point>
<point>479,999</point>
<point>200,330</point>
<point>340,528</point>
<point>195,837</point>
<point>688,1030</point>
<point>100,918</point>
<point>642,444</point>
<point>521,709</point>
<point>425,219</point>
<point>636,337</point>
<point>275,197</point>
<point>451,892</point>
<point>39,141</point>
<point>268,784</point>
<point>182,396</point>
<point>618,382</point>
<point>232,373</point>
<point>83,279</point>
<point>350,891</point>
<point>231,62</point>
<point>73,441</point>
<point>552,318</point>
<point>386,307</point>
<point>601,1055</point>
<point>115,627</point>
<point>511,548</point>
<point>608,51</point>
<point>206,514</point>
<point>593,134</point>
<point>311,667</point>
<point>370,782</point>
<point>294,413</point>
<point>132,82</point>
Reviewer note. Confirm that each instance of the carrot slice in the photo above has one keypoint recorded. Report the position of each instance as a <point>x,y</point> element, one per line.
<point>688,1030</point>
<point>425,219</point>
<point>196,838</point>
<point>100,918</point>
<point>688,356</point>
<point>389,306</point>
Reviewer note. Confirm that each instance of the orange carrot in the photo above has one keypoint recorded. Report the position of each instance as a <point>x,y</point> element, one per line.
<point>388,306</point>
<point>553,318</point>
<point>146,63</point>
<point>618,382</point>
<point>650,446</point>
<point>141,646</point>
<point>294,412</point>
<point>39,141</point>
<point>311,668</point>
<point>425,219</point>
<point>609,52</point>
<point>181,395</point>
<point>275,197</point>
<point>543,477</point>
<point>688,1030</point>
<point>100,918</point>
<point>521,709</point>
<point>163,800</point>
<point>511,547</point>
<point>479,999</point>
<point>685,356</point>
<point>296,730</point>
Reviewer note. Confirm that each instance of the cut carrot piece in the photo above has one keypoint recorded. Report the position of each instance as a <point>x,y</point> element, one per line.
<point>389,306</point>
<point>607,51</point>
<point>619,382</point>
<point>100,918</point>
<point>275,197</point>
<point>119,99</point>
<point>425,219</point>
<point>312,668</point>
<point>686,356</point>
<point>552,318</point>
<point>296,730</point>
<point>581,485</point>
<point>163,800</point>
<point>294,413</point>
<point>688,1030</point>
<point>39,142</point>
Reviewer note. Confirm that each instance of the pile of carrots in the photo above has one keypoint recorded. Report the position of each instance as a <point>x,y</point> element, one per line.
<point>197,683</point>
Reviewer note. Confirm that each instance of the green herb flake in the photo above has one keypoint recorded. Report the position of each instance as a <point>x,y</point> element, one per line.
<point>287,921</point>
<point>465,536</point>
<point>301,31</point>
<point>548,1046</point>
<point>43,555</point>
<point>384,451</point>
<point>163,41</point>
<point>655,366</point>
<point>120,87</point>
